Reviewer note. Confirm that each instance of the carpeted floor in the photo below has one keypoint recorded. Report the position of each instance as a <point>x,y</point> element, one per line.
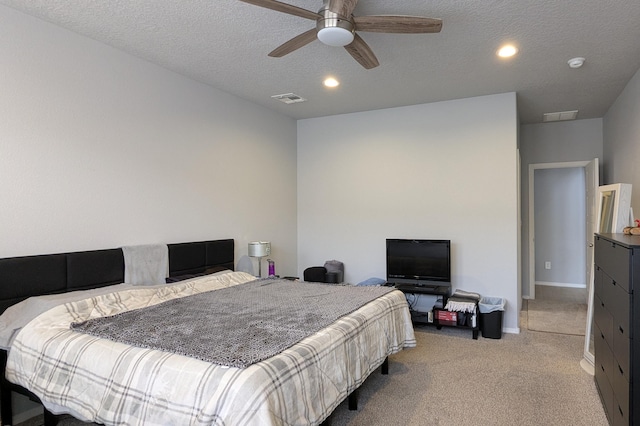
<point>531,378</point>
<point>553,316</point>
<point>528,379</point>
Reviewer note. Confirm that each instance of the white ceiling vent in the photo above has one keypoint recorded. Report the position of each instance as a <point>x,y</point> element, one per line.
<point>560,116</point>
<point>289,98</point>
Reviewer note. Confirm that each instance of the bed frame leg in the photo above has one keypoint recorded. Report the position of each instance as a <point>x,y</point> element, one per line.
<point>7,412</point>
<point>353,400</point>
<point>327,421</point>
<point>50,419</point>
<point>5,393</point>
<point>385,366</point>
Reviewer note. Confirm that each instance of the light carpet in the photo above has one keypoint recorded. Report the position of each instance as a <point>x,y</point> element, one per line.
<point>554,316</point>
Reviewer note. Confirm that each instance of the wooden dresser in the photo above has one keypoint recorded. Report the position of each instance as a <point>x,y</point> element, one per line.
<point>616,314</point>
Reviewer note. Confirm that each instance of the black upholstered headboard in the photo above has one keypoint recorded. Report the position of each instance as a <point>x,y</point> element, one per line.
<point>23,277</point>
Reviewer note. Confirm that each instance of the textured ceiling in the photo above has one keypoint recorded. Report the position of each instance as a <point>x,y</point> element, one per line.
<point>224,43</point>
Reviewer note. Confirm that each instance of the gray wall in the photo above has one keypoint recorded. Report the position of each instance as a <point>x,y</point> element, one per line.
<point>622,141</point>
<point>446,170</point>
<point>100,149</point>
<point>560,218</point>
<point>570,141</point>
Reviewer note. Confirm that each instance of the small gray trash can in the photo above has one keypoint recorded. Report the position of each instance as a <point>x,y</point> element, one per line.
<point>491,312</point>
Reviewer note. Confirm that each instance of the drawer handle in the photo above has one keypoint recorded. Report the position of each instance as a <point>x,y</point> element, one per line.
<point>620,409</point>
<point>602,335</point>
<point>602,304</point>
<point>613,282</point>
<point>602,366</point>
<point>621,329</point>
<point>621,370</point>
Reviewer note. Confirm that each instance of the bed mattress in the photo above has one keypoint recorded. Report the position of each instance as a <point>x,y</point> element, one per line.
<point>106,382</point>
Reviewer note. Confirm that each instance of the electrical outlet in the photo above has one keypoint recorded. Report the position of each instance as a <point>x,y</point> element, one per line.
<point>547,265</point>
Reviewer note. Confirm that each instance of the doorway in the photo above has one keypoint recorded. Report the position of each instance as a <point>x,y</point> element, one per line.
<point>561,224</point>
<point>566,194</point>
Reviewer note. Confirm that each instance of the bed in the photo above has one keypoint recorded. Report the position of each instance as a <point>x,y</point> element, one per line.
<point>302,384</point>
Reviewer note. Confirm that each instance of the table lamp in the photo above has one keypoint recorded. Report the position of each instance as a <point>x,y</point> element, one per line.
<point>259,249</point>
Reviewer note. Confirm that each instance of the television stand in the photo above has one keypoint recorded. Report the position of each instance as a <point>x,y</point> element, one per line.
<point>434,290</point>
<point>418,317</point>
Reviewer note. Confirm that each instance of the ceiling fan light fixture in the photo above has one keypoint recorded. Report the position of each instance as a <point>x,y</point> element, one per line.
<point>335,36</point>
<point>334,29</point>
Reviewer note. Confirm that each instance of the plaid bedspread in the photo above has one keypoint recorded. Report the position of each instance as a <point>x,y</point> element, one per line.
<point>112,383</point>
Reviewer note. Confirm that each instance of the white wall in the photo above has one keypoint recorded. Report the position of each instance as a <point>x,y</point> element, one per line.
<point>445,170</point>
<point>100,149</point>
<point>622,141</point>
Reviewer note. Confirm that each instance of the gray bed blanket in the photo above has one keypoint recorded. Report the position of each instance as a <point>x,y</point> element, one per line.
<point>235,326</point>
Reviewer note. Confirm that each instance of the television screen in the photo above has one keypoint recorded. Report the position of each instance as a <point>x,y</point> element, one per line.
<point>421,260</point>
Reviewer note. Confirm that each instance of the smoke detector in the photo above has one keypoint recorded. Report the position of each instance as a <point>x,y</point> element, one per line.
<point>576,62</point>
<point>289,98</point>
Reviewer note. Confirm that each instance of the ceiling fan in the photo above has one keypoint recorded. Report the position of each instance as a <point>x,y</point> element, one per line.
<point>336,26</point>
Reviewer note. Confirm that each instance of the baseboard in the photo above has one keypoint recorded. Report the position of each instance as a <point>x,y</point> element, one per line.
<point>568,285</point>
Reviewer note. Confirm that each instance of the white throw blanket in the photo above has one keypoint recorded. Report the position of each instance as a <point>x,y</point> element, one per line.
<point>463,301</point>
<point>146,264</point>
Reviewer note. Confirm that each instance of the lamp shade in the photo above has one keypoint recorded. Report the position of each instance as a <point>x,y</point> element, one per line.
<point>259,248</point>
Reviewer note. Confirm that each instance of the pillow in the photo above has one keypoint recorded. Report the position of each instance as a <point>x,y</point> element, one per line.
<point>372,281</point>
<point>214,270</point>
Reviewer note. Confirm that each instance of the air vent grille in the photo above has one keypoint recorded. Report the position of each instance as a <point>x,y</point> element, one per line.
<point>559,116</point>
<point>289,98</point>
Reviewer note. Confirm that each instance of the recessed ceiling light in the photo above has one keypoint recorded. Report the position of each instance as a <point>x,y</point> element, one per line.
<point>507,51</point>
<point>331,82</point>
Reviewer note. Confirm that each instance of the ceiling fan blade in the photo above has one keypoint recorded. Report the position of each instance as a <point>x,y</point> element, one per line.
<point>294,44</point>
<point>284,8</point>
<point>397,24</point>
<point>362,53</point>
<point>342,7</point>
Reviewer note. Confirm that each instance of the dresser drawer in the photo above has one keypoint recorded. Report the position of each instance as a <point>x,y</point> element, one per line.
<point>603,320</point>
<point>598,285</point>
<point>619,305</point>
<point>622,352</point>
<point>603,353</point>
<point>601,286</point>
<point>605,389</point>
<point>620,387</point>
<point>620,414</point>
<point>614,260</point>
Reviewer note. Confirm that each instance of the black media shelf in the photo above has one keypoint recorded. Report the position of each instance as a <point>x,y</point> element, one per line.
<point>418,317</point>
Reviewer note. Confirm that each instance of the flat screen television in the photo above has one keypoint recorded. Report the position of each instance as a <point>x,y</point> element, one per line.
<point>419,262</point>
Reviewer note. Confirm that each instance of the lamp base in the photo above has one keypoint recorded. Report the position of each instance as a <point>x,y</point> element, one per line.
<point>259,266</point>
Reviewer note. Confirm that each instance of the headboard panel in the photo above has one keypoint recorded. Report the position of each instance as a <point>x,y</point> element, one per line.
<point>187,258</point>
<point>91,269</point>
<point>20,277</point>
<point>220,252</point>
<point>26,276</point>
